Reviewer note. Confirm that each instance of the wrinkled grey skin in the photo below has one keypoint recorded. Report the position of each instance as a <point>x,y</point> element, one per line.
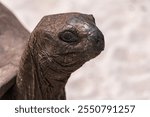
<point>49,58</point>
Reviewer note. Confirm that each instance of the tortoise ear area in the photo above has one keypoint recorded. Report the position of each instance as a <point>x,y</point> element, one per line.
<point>47,35</point>
<point>91,18</point>
<point>40,37</point>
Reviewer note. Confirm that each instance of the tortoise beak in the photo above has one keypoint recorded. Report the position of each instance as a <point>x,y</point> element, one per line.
<point>97,38</point>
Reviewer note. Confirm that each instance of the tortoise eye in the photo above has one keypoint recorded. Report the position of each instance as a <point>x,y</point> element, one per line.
<point>68,36</point>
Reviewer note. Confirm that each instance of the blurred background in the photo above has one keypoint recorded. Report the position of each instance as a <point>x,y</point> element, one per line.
<point>122,71</point>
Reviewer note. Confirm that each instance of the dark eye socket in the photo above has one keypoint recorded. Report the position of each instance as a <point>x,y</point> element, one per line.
<point>68,36</point>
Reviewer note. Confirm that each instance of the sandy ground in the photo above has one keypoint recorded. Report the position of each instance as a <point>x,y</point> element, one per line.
<point>122,71</point>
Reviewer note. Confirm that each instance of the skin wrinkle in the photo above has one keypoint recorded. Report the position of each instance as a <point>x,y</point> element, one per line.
<point>47,61</point>
<point>45,86</point>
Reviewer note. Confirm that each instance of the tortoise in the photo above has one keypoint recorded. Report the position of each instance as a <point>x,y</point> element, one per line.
<point>37,65</point>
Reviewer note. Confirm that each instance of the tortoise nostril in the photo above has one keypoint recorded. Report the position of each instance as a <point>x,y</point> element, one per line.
<point>96,36</point>
<point>98,39</point>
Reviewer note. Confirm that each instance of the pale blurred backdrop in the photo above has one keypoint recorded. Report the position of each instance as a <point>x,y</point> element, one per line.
<point>122,71</point>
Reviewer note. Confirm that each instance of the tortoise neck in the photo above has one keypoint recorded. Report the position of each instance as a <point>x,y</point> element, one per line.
<point>39,81</point>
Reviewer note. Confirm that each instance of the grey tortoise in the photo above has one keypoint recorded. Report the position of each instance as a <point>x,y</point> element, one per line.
<point>37,65</point>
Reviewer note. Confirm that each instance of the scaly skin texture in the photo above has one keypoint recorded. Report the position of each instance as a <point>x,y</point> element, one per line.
<point>59,45</point>
<point>48,61</point>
